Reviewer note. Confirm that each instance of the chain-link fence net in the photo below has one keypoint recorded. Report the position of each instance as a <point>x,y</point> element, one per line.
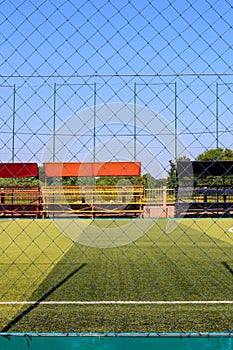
<point>116,166</point>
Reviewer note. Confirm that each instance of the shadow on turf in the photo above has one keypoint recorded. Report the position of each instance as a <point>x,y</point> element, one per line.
<point>41,299</point>
<point>227,267</point>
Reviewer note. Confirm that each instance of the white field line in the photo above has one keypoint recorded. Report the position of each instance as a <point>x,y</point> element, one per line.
<point>119,302</point>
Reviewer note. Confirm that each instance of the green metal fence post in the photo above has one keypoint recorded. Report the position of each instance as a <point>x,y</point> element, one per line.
<point>13,125</point>
<point>135,121</point>
<point>94,127</point>
<point>175,112</point>
<point>54,121</point>
<point>217,120</point>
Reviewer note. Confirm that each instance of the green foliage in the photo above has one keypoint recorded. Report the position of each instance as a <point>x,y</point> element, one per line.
<point>151,182</point>
<point>29,181</point>
<point>172,176</point>
<point>171,179</point>
<point>216,154</point>
<point>146,180</point>
<point>101,181</point>
<point>78,181</point>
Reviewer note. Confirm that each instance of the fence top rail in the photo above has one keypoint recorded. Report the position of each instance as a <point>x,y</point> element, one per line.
<point>19,188</point>
<point>92,187</point>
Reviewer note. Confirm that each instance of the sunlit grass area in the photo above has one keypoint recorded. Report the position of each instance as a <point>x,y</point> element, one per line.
<point>135,285</point>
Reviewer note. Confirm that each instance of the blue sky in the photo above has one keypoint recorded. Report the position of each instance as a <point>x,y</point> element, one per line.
<point>135,37</point>
<point>70,42</point>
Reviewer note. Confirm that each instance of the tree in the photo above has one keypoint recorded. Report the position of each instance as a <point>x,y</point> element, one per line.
<point>150,182</point>
<point>172,175</point>
<point>216,154</point>
<point>171,179</point>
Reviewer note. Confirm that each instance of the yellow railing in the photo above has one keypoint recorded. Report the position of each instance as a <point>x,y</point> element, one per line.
<point>87,194</point>
<point>64,200</point>
<point>92,194</point>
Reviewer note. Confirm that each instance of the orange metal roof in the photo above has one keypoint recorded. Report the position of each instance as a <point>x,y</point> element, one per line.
<point>92,169</point>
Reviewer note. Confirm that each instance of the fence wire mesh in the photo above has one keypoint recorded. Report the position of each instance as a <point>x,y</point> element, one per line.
<point>116,166</point>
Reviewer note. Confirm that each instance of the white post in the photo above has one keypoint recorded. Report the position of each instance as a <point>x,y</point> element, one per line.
<point>165,200</point>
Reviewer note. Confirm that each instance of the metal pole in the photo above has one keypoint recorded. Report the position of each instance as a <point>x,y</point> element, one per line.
<point>13,125</point>
<point>54,122</point>
<point>135,121</point>
<point>176,151</point>
<point>217,120</point>
<point>94,127</point>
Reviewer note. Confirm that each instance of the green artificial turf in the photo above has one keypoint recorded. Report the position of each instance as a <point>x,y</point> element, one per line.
<point>171,260</point>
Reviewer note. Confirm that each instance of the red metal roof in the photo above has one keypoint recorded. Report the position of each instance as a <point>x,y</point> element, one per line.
<point>16,170</point>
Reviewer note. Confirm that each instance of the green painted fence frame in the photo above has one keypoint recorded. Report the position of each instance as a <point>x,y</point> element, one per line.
<point>115,341</point>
